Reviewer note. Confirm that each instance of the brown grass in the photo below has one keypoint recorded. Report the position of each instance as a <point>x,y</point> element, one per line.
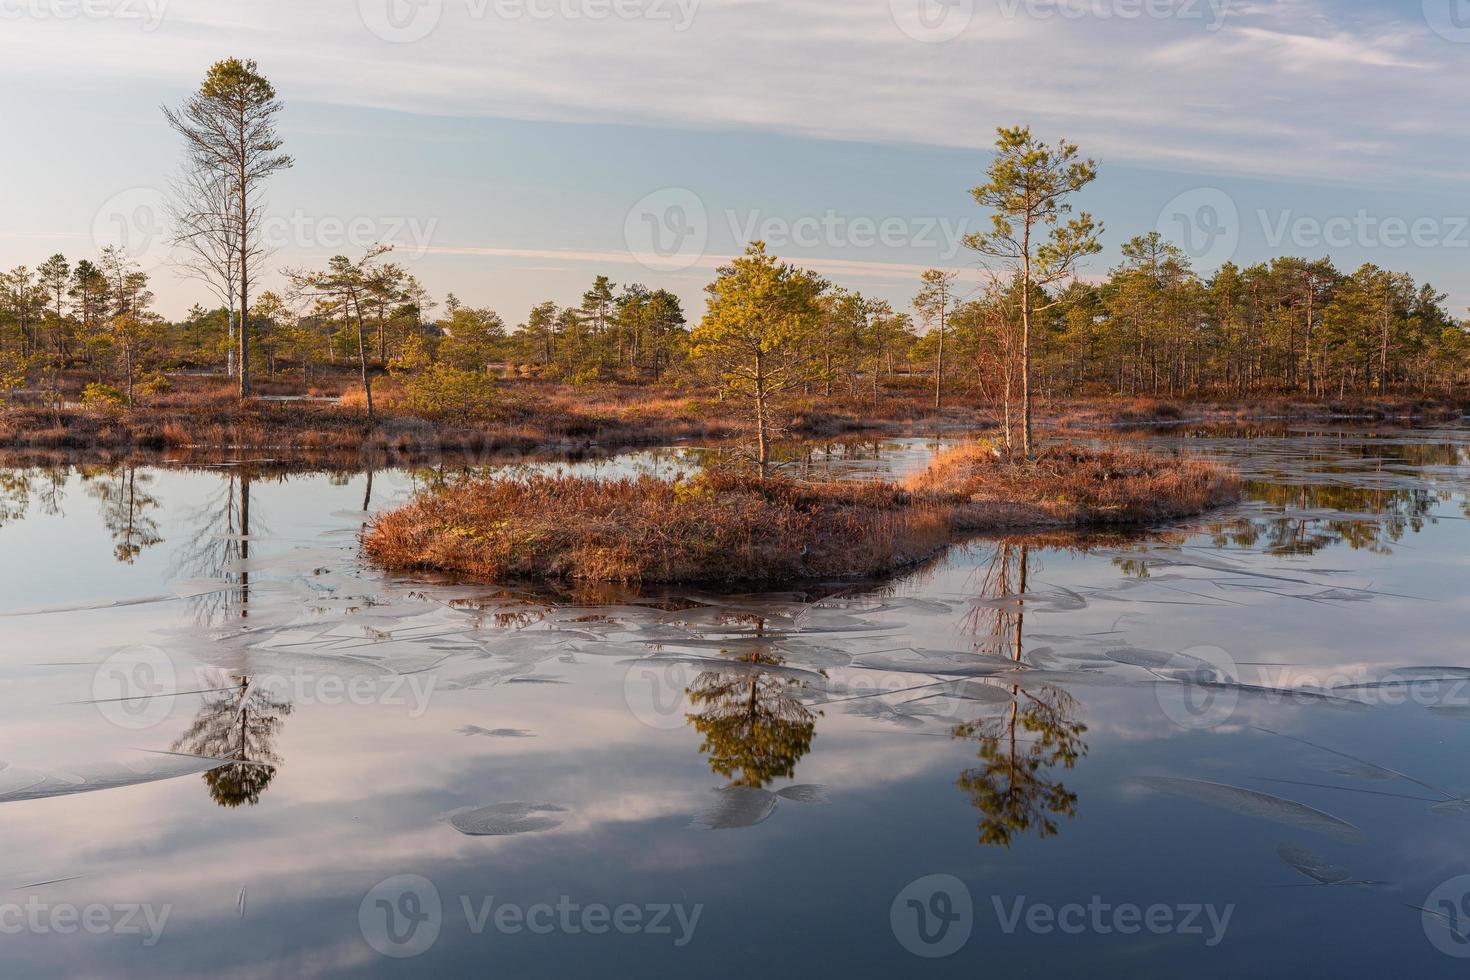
<point>1070,485</point>
<point>736,527</point>
<point>1143,411</point>
<point>200,412</point>
<point>718,527</point>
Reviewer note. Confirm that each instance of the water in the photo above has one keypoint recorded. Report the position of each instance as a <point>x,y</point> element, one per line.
<point>1183,751</point>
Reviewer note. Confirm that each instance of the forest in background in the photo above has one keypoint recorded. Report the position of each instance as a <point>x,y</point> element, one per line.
<point>1154,327</point>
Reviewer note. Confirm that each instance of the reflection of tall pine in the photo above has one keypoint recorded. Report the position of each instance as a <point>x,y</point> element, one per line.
<point>1012,787</point>
<point>755,729</point>
<point>243,725</point>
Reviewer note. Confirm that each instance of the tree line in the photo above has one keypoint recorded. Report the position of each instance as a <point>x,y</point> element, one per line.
<point>1023,325</point>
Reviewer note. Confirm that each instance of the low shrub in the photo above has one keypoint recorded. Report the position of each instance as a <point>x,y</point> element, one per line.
<point>103,398</point>
<point>442,391</point>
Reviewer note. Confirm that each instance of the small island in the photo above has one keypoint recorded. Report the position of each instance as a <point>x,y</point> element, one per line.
<point>729,527</point>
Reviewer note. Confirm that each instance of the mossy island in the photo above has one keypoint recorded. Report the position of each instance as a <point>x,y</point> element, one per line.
<point>742,527</point>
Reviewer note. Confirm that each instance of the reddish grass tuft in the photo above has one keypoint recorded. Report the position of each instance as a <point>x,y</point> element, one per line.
<point>1074,486</point>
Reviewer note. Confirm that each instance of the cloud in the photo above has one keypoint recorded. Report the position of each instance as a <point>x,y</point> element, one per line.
<point>1311,89</point>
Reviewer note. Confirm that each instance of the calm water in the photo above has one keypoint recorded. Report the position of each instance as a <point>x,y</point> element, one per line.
<point>1235,744</point>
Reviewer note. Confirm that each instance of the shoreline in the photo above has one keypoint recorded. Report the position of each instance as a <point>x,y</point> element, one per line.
<point>554,420</point>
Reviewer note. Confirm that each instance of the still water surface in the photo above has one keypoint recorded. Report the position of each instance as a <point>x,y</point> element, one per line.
<point>1233,744</point>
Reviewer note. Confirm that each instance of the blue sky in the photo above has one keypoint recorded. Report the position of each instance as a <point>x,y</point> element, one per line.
<point>512,149</point>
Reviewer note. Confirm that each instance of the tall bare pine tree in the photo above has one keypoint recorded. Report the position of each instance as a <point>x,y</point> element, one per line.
<point>229,130</point>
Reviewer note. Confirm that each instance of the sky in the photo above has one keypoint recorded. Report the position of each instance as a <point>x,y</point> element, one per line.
<point>511,150</point>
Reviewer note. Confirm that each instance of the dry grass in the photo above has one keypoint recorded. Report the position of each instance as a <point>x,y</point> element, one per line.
<point>533,416</point>
<point>1070,485</point>
<point>201,412</point>
<point>735,527</point>
<point>722,527</point>
<point>1143,411</point>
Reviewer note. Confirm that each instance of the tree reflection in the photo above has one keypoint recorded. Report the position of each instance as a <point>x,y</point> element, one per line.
<point>1365,494</point>
<point>20,487</point>
<point>1013,787</point>
<point>126,508</point>
<point>239,724</point>
<point>218,547</point>
<point>754,724</point>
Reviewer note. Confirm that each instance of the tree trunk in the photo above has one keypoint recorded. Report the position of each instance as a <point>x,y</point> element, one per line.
<point>1006,411</point>
<point>939,364</point>
<point>230,352</point>
<point>762,440</point>
<point>367,382</point>
<point>1383,347</point>
<point>1311,300</point>
<point>243,177</point>
<point>1026,349</point>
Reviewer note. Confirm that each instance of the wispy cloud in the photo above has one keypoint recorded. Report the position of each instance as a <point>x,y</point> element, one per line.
<point>1301,81</point>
